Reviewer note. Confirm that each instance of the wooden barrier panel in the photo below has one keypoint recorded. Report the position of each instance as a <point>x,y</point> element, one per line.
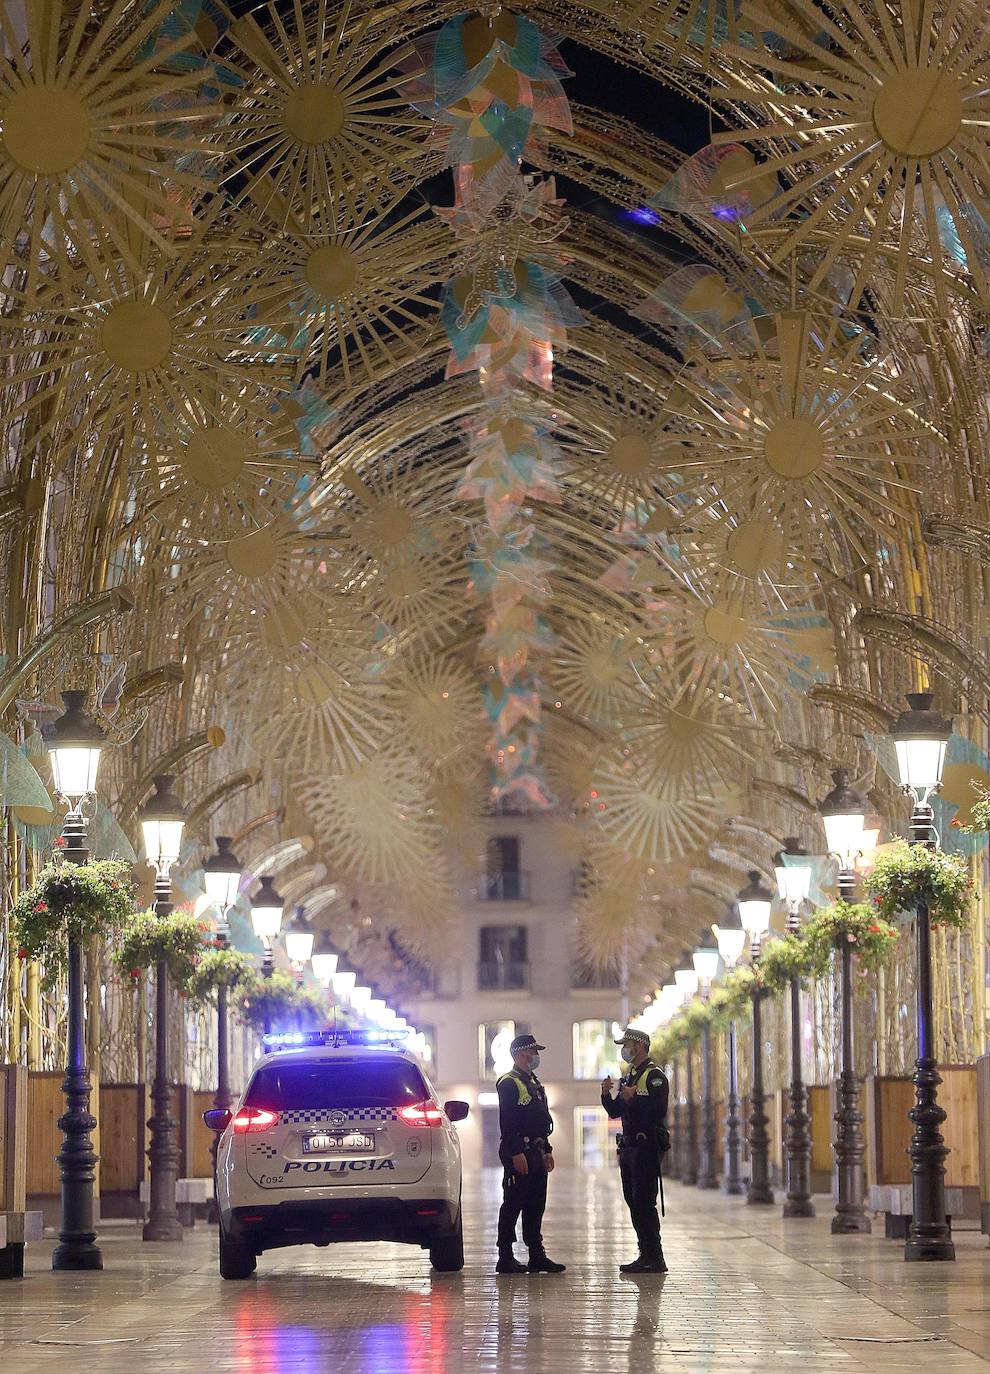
<point>200,1159</point>
<point>123,1112</point>
<point>13,1138</point>
<point>983,1127</point>
<point>45,1106</point>
<point>889,1128</point>
<point>958,1096</point>
<point>822,1133</point>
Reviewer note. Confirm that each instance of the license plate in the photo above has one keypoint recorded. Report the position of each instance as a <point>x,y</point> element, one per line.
<point>322,1144</point>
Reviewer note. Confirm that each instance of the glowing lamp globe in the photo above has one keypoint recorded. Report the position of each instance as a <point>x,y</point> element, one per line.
<point>222,874</point>
<point>75,743</point>
<point>755,905</point>
<point>162,820</point>
<point>730,938</point>
<point>705,960</point>
<point>324,960</point>
<point>843,814</point>
<point>360,997</point>
<point>920,737</point>
<point>343,982</point>
<point>687,981</point>
<point>267,906</point>
<point>792,869</point>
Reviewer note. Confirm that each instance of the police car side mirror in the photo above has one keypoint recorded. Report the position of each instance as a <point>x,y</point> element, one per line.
<point>218,1119</point>
<point>456,1111</point>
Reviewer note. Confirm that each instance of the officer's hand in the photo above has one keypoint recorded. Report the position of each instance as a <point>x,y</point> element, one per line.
<point>607,1085</point>
<point>550,1164</point>
<point>520,1163</point>
<point>627,1092</point>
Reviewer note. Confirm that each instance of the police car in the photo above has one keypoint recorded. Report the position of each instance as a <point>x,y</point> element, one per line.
<point>339,1136</point>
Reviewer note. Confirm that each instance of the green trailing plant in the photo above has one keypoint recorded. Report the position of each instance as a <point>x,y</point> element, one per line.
<point>979,814</point>
<point>219,966</point>
<point>280,1002</point>
<point>148,939</point>
<point>854,923</point>
<point>908,873</point>
<point>78,901</point>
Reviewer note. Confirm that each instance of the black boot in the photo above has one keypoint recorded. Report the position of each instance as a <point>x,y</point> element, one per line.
<point>542,1264</point>
<point>635,1267</point>
<point>508,1264</point>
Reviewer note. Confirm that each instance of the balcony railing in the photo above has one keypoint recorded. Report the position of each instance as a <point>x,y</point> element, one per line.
<point>503,975</point>
<point>510,886</point>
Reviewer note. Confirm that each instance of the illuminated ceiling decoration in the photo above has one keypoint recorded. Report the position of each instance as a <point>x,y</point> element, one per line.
<point>874,124</point>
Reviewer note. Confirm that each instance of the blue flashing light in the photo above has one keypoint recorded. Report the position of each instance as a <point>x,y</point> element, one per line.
<point>645,214</point>
<point>288,1040</point>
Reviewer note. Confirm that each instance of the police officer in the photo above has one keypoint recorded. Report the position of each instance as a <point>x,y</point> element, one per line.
<point>641,1102</point>
<point>527,1158</point>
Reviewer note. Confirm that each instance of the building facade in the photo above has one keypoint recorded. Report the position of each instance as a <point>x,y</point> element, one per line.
<point>515,968</point>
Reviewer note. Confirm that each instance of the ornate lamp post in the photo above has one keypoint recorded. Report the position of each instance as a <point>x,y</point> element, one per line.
<point>299,941</point>
<point>75,743</point>
<point>705,959</point>
<point>162,820</point>
<point>792,866</point>
<point>843,814</point>
<point>267,906</point>
<point>731,938</point>
<point>920,738</point>
<point>222,877</point>
<point>687,983</point>
<point>755,905</point>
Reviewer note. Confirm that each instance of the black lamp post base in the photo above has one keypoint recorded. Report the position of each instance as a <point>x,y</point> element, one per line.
<point>798,1207</point>
<point>759,1196</point>
<point>734,1189</point>
<point>73,1256</point>
<point>162,1230</point>
<point>851,1224</point>
<point>929,1248</point>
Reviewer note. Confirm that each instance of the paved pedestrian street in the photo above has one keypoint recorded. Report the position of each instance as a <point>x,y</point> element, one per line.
<point>746,1291</point>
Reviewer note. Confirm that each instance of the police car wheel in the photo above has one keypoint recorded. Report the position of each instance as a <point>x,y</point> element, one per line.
<point>236,1261</point>
<point>447,1252</point>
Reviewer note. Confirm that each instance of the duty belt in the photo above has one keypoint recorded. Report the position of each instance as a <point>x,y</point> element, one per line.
<point>534,1140</point>
<point>640,1138</point>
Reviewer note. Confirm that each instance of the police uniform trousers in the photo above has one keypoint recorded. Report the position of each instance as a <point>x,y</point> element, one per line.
<point>525,1195</point>
<point>640,1170</point>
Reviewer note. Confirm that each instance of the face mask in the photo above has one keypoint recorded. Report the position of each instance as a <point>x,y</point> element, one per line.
<point>534,1062</point>
<point>626,1054</point>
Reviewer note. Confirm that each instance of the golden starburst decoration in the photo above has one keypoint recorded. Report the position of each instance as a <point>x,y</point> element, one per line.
<point>648,813</point>
<point>592,670</point>
<point>809,432</point>
<point>320,131</point>
<point>99,122</point>
<point>231,581</point>
<point>875,133</point>
<point>423,598</point>
<point>438,701</point>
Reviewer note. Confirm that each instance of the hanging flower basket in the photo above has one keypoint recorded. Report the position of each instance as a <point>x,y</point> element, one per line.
<point>219,967</point>
<point>148,939</point>
<point>910,873</point>
<point>859,924</point>
<point>70,901</point>
<point>280,1002</point>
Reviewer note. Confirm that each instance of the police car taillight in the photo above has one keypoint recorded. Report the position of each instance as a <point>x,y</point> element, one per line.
<point>423,1114</point>
<point>251,1119</point>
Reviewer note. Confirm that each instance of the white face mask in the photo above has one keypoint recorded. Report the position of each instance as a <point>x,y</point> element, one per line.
<point>626,1053</point>
<point>534,1062</point>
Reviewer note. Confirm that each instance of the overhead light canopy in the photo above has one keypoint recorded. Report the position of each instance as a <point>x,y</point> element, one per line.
<point>920,737</point>
<point>755,905</point>
<point>162,820</point>
<point>75,743</point>
<point>843,814</point>
<point>792,868</point>
<point>267,906</point>
<point>222,874</point>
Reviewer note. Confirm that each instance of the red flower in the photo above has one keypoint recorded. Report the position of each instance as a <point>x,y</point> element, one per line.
<point>22,954</point>
<point>40,906</point>
<point>874,929</point>
<point>59,842</point>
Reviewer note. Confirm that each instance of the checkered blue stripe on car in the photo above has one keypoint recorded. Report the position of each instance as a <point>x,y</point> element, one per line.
<point>328,1116</point>
<point>266,1151</point>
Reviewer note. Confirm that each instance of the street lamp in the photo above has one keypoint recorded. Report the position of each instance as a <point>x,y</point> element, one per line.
<point>75,743</point>
<point>920,738</point>
<point>162,820</point>
<point>343,981</point>
<point>705,959</point>
<point>299,941</point>
<point>267,906</point>
<point>731,938</point>
<point>324,960</point>
<point>843,814</point>
<point>755,905</point>
<point>222,879</point>
<point>687,982</point>
<point>792,866</point>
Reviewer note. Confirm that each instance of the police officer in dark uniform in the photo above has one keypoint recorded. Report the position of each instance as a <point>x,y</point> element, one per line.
<point>527,1158</point>
<point>641,1102</point>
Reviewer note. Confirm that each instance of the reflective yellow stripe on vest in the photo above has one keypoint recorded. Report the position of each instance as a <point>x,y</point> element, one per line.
<point>643,1082</point>
<point>525,1097</point>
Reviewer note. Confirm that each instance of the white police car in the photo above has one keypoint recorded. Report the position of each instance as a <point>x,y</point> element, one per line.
<point>339,1136</point>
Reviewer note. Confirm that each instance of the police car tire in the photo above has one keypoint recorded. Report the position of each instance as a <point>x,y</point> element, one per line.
<point>447,1252</point>
<point>236,1261</point>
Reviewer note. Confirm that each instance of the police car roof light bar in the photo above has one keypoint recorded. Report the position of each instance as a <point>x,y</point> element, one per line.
<point>332,1037</point>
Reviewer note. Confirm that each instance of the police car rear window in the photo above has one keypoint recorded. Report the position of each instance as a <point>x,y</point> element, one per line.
<point>368,1083</point>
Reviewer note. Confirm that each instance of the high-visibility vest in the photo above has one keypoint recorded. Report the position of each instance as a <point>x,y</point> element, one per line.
<point>642,1082</point>
<point>525,1096</point>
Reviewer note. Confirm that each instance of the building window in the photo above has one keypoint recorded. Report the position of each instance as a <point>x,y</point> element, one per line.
<point>594,1138</point>
<point>494,1056</point>
<point>595,1053</point>
<point>503,957</point>
<point>429,1034</point>
<point>503,879</point>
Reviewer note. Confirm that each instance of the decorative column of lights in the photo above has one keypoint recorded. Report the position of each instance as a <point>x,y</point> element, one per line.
<point>299,941</point>
<point>162,820</point>
<point>792,866</point>
<point>705,960</point>
<point>75,743</point>
<point>731,939</point>
<point>755,905</point>
<point>687,981</point>
<point>267,906</point>
<point>222,879</point>
<point>920,738</point>
<point>843,814</point>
